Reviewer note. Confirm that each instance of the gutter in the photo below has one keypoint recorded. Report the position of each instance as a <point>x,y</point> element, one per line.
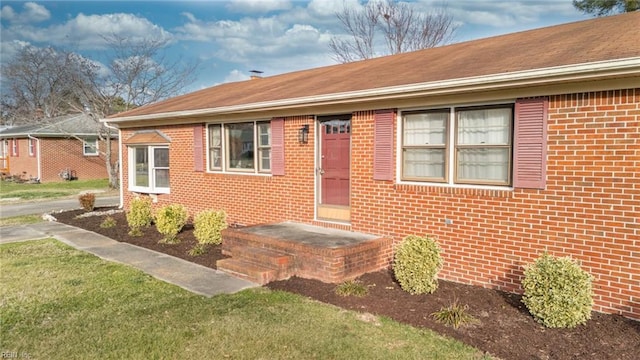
<point>120,188</point>
<point>38,157</point>
<point>559,74</point>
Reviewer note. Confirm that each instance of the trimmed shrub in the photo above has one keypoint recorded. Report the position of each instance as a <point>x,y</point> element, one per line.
<point>139,215</point>
<point>207,226</point>
<point>417,263</point>
<point>557,292</point>
<point>87,201</point>
<point>170,220</point>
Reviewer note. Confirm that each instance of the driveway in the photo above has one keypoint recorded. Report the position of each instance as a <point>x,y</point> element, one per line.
<point>41,207</point>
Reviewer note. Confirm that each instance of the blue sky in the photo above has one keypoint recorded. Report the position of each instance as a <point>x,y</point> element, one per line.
<point>231,37</point>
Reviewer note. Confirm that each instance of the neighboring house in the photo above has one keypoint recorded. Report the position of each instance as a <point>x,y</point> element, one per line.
<point>56,149</point>
<point>502,148</point>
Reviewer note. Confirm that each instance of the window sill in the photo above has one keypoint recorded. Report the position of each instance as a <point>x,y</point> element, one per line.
<point>149,191</point>
<point>241,173</point>
<point>458,189</point>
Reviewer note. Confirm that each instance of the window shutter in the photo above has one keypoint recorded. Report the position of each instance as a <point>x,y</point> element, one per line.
<point>277,146</point>
<point>198,151</point>
<point>383,145</point>
<point>530,149</point>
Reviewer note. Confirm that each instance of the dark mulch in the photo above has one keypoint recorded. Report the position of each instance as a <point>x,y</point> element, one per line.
<point>505,328</point>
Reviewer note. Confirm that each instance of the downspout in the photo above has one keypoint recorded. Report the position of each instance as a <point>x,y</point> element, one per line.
<point>38,157</point>
<point>121,205</point>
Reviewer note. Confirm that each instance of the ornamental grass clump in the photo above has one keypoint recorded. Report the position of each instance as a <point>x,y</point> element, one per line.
<point>139,215</point>
<point>170,219</point>
<point>207,228</point>
<point>417,263</point>
<point>557,292</point>
<point>454,315</point>
<point>352,288</point>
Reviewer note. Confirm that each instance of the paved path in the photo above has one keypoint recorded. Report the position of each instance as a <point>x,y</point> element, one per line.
<point>193,277</point>
<point>41,207</point>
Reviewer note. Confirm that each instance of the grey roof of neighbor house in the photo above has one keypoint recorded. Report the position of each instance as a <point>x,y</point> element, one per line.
<point>61,126</point>
<point>535,53</point>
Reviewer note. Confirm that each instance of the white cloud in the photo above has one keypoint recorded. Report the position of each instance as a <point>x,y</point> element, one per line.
<point>32,13</point>
<point>330,7</point>
<point>236,75</point>
<point>86,31</point>
<point>258,6</point>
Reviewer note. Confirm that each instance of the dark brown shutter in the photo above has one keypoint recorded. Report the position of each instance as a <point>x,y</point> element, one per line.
<point>530,149</point>
<point>277,146</point>
<point>383,145</point>
<point>198,151</point>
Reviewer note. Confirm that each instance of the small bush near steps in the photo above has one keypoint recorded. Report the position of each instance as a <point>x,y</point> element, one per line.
<point>170,219</point>
<point>557,292</point>
<point>139,215</point>
<point>207,228</point>
<point>416,264</point>
<point>87,201</point>
<point>108,222</point>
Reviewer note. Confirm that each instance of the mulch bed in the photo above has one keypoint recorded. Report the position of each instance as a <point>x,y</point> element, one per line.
<point>504,329</point>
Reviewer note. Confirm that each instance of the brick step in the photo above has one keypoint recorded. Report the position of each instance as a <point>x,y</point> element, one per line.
<point>249,271</point>
<point>261,256</point>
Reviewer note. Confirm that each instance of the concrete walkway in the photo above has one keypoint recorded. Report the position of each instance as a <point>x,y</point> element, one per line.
<point>9,209</point>
<point>192,277</point>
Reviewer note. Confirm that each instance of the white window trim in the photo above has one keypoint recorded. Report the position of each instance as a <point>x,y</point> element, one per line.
<point>85,142</point>
<point>14,147</point>
<point>151,189</point>
<point>450,149</point>
<point>224,158</point>
<point>32,147</point>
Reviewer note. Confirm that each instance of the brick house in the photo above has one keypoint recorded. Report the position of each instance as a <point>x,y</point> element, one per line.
<point>501,148</point>
<point>58,149</point>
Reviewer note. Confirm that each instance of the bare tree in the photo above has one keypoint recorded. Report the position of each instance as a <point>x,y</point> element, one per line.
<point>606,7</point>
<point>402,27</point>
<point>136,73</point>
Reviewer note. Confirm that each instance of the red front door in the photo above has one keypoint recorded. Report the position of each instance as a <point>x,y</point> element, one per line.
<point>335,150</point>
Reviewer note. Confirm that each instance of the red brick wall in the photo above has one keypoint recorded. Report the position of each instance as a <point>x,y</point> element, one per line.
<point>589,209</point>
<point>59,154</point>
<point>23,165</point>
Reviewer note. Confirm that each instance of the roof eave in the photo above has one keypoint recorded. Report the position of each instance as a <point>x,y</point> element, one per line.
<point>552,75</point>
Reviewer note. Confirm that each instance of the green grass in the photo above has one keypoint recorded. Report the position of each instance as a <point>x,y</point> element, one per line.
<point>20,220</point>
<point>26,191</point>
<point>60,303</point>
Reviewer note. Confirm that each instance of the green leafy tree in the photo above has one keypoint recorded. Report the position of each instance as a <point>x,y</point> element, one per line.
<point>606,7</point>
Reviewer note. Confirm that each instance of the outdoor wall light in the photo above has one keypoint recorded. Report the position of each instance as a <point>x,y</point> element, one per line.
<point>303,134</point>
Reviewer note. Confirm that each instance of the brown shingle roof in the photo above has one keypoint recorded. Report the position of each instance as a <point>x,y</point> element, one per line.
<point>600,39</point>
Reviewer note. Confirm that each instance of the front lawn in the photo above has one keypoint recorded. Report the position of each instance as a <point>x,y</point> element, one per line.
<point>61,303</point>
<point>27,191</point>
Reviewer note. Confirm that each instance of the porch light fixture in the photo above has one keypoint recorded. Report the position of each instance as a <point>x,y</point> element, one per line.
<point>303,134</point>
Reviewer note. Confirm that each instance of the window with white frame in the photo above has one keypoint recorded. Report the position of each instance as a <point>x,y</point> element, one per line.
<point>149,169</point>
<point>90,147</point>
<point>14,147</point>
<point>240,147</point>
<point>32,147</point>
<point>458,145</point>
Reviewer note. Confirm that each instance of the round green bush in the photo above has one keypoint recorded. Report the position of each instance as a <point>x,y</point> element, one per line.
<point>557,292</point>
<point>207,226</point>
<point>170,219</point>
<point>417,263</point>
<point>139,215</point>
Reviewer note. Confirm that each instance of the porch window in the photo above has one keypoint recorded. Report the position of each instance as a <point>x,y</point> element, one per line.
<point>240,147</point>
<point>458,145</point>
<point>90,147</point>
<point>149,169</point>
<point>14,147</point>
